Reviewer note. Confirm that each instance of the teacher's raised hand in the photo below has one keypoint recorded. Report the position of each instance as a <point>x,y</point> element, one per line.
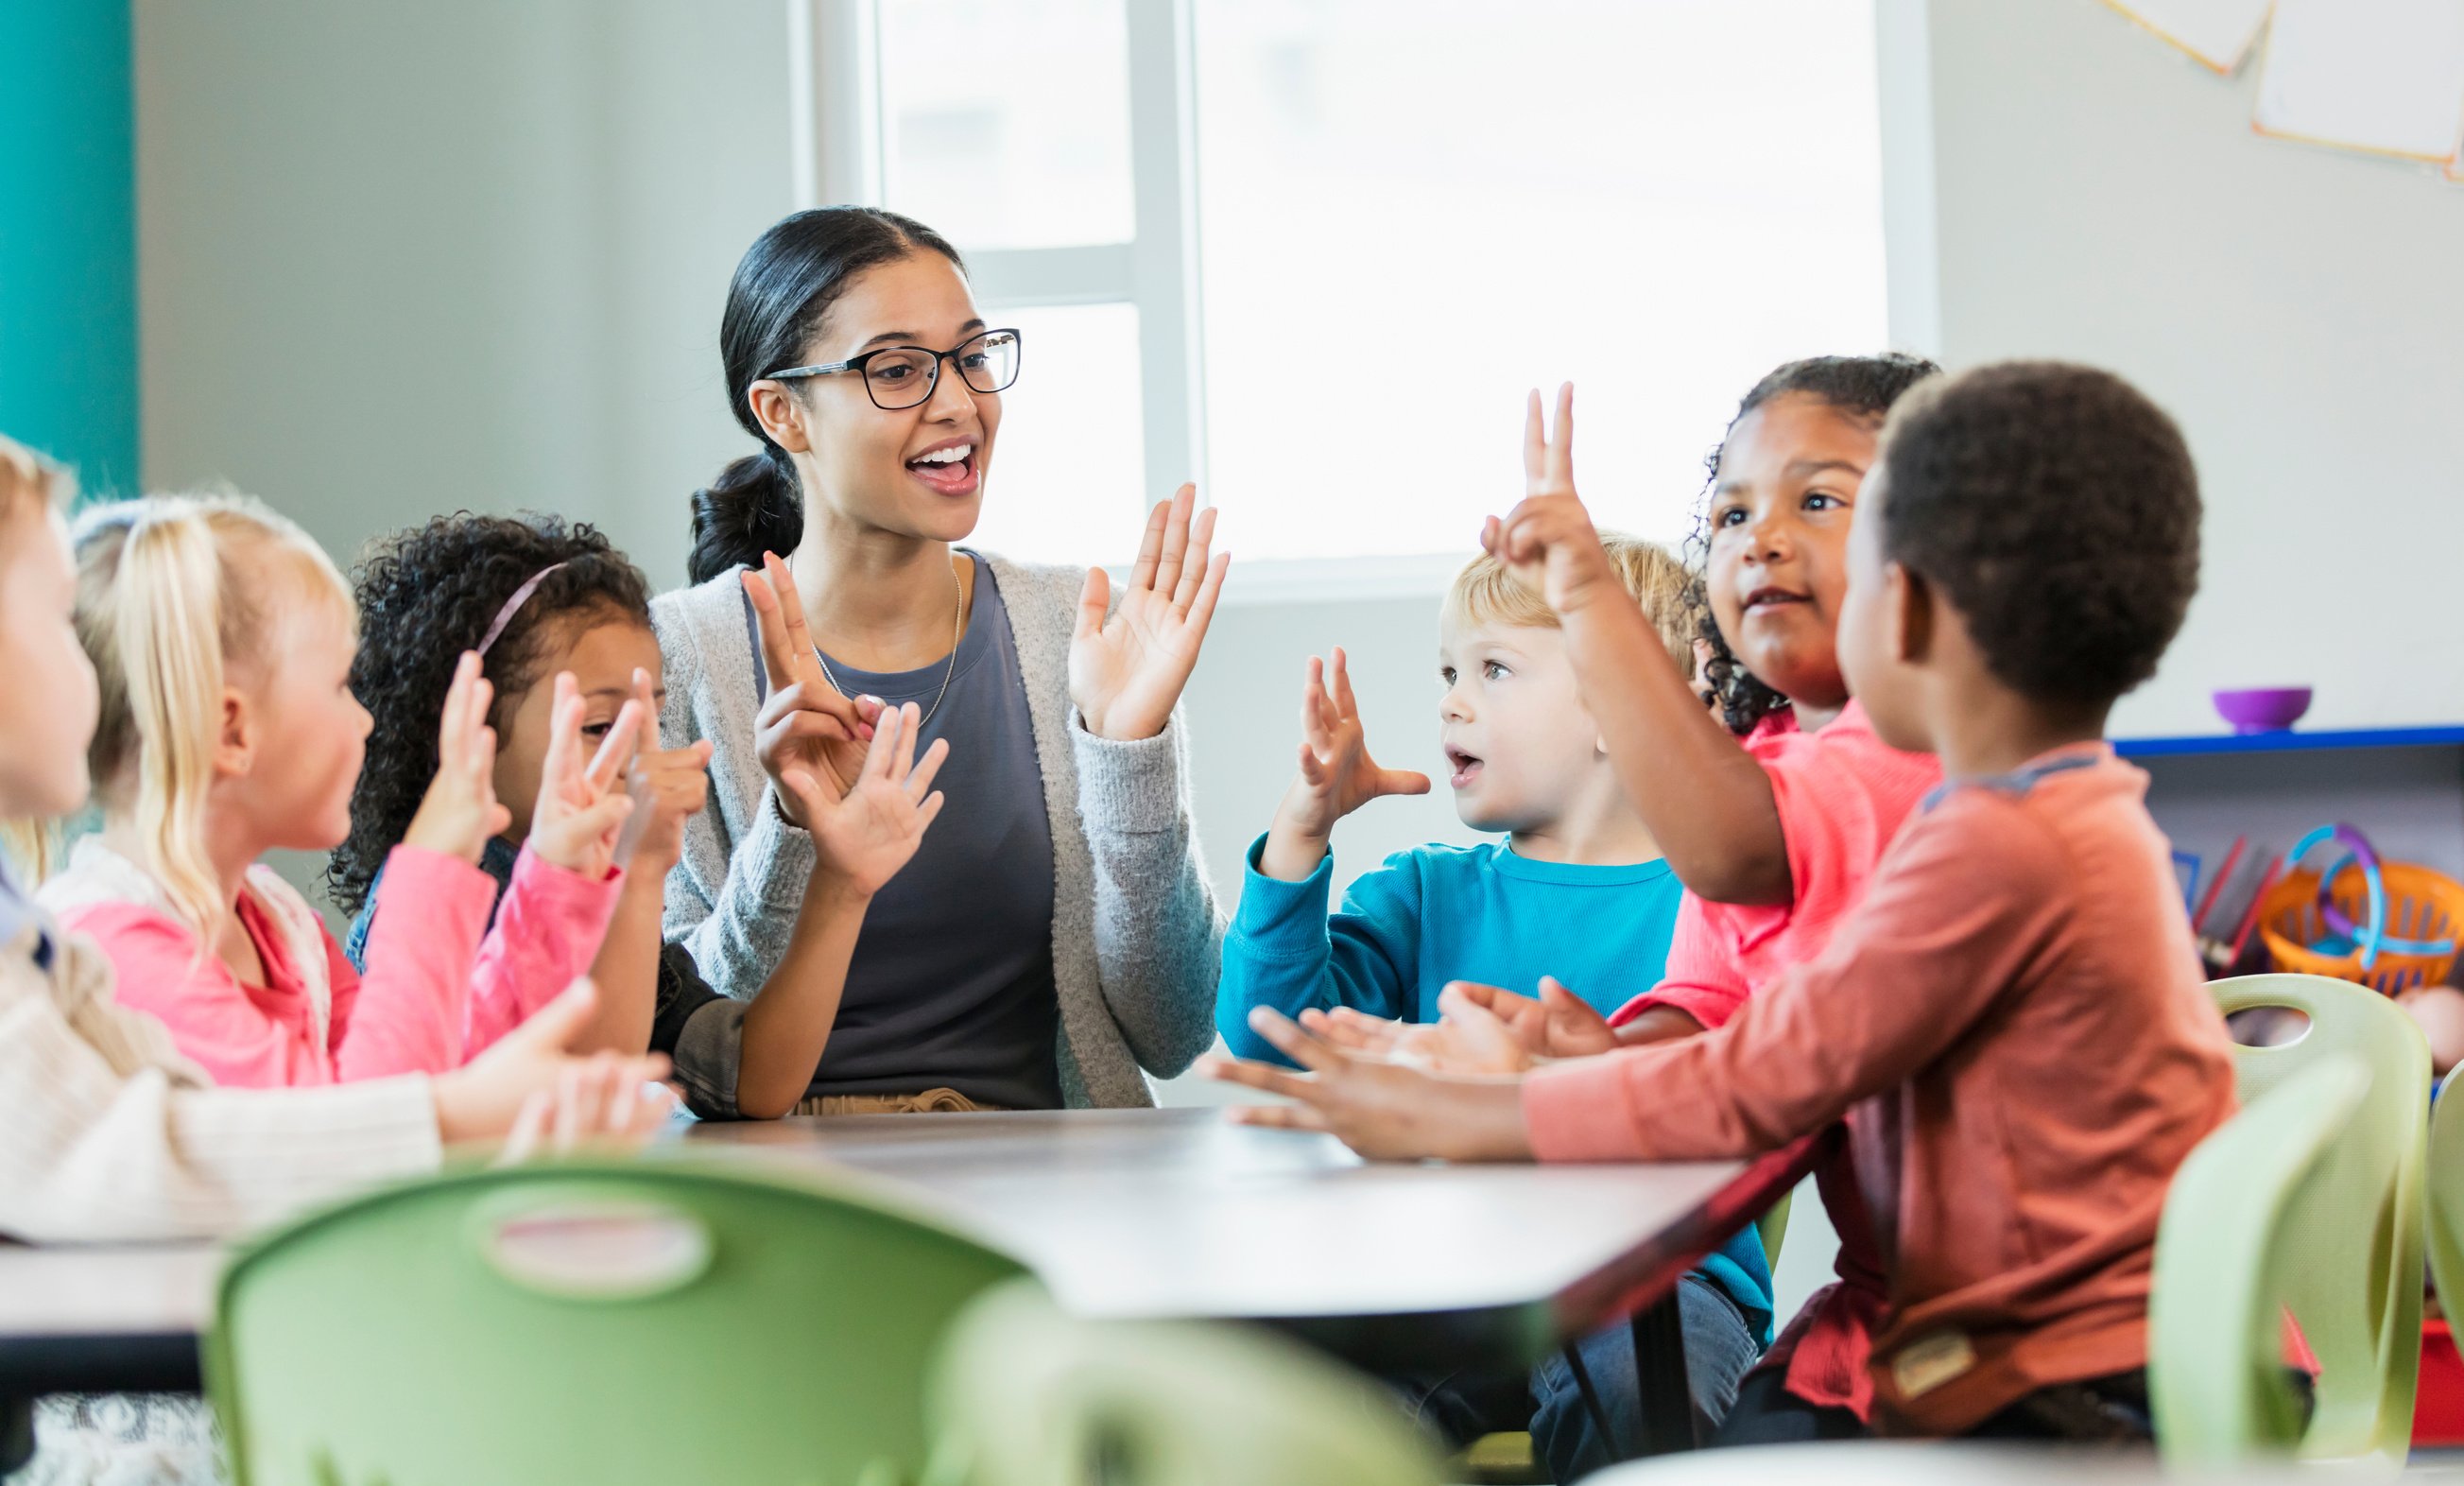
<point>1129,661</point>
<point>807,735</point>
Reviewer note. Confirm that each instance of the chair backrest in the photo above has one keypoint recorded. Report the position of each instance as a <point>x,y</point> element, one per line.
<point>1024,1396</point>
<point>2227,1251</point>
<point>658,1320</point>
<point>2445,1203</point>
<point>1772,1226</point>
<point>2357,1291</point>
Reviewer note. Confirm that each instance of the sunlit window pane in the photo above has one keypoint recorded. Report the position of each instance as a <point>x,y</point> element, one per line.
<point>1069,465</point>
<point>1007,121</point>
<point>1412,212</point>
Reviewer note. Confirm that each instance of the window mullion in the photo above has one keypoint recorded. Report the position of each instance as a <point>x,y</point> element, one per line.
<point>1164,257</point>
<point>834,102</point>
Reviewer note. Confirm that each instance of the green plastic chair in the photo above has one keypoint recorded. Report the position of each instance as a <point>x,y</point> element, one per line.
<point>1026,1396</point>
<point>1773,1225</point>
<point>2445,1203</point>
<point>2356,1279</point>
<point>662,1321</point>
<point>2241,1222</point>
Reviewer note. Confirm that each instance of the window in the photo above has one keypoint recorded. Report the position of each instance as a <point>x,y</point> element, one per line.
<point>1388,218</point>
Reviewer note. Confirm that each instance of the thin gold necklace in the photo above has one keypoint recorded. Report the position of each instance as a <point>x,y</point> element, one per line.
<point>957,628</point>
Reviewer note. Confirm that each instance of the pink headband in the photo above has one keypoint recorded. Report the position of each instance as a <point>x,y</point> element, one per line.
<point>513,606</point>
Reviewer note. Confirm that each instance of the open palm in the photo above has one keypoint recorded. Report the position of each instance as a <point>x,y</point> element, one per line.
<point>1337,776</point>
<point>866,832</point>
<point>1129,660</point>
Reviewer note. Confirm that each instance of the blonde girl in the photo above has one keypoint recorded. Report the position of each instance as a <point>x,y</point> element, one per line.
<point>223,636</point>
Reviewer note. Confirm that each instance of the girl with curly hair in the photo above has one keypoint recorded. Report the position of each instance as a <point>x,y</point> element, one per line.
<point>223,636</point>
<point>560,619</point>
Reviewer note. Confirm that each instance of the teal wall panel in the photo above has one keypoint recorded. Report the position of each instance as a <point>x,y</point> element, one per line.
<point>67,237</point>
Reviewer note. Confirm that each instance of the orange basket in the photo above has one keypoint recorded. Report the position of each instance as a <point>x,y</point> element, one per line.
<point>2422,906</point>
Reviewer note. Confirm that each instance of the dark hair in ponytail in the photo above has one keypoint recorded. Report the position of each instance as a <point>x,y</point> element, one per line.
<point>784,285</point>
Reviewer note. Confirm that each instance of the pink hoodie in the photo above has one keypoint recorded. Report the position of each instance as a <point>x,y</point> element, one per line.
<point>435,994</point>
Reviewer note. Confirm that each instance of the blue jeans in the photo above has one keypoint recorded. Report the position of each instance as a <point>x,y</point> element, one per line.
<point>1722,1342</point>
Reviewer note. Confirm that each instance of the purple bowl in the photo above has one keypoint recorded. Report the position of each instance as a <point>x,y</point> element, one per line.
<point>2264,709</point>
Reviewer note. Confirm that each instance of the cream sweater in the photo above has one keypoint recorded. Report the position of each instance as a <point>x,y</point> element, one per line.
<point>108,1133</point>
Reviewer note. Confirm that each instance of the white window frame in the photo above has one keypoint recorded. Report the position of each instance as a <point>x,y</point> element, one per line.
<point>835,99</point>
<point>835,106</point>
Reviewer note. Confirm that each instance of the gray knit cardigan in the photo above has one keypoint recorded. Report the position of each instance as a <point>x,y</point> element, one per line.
<point>1137,934</point>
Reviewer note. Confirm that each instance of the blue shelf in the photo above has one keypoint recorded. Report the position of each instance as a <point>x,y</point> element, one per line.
<point>2292,742</point>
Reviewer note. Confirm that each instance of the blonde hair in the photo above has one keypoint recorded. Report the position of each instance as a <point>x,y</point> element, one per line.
<point>174,592</point>
<point>1485,592</point>
<point>25,475</point>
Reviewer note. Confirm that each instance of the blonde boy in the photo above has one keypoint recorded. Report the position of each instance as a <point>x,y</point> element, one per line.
<point>1576,885</point>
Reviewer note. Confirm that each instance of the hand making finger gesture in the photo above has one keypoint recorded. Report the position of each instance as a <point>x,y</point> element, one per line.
<point>864,834</point>
<point>1547,541</point>
<point>804,724</point>
<point>459,813</point>
<point>1336,775</point>
<point>1129,660</point>
<point>583,807</point>
<point>1385,1110</point>
<point>668,787</point>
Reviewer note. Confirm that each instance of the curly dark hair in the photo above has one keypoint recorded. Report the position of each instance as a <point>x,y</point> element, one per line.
<point>2057,508</point>
<point>426,595</point>
<point>1863,387</point>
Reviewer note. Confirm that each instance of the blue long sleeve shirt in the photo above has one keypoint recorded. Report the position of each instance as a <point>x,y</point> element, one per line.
<point>1437,914</point>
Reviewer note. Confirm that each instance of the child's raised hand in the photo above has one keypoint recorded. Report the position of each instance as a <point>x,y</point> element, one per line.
<point>668,785</point>
<point>866,833</point>
<point>460,812</point>
<point>1336,775</point>
<point>804,724</point>
<point>1547,541</point>
<point>582,809</point>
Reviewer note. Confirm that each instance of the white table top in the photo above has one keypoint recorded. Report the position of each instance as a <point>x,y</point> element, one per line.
<point>1131,1214</point>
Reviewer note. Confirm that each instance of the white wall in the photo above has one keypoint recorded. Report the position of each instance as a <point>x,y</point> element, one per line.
<point>2300,310</point>
<point>398,259</point>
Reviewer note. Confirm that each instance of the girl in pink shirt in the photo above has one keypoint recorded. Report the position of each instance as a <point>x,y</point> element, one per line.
<point>223,638</point>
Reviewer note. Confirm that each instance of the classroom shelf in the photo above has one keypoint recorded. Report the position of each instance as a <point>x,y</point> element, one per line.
<point>2293,740</point>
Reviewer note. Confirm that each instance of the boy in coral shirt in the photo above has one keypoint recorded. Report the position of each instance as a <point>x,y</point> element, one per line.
<point>2013,1015</point>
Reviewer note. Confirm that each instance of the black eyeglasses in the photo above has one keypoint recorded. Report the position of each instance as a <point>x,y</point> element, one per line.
<point>904,376</point>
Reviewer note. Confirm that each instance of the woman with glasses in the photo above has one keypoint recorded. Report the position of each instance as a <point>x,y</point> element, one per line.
<point>1054,932</point>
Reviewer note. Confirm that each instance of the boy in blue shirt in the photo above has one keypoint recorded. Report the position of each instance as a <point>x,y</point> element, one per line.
<point>1577,882</point>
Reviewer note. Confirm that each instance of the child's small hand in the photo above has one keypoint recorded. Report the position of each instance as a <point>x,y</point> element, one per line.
<point>668,785</point>
<point>1385,1110</point>
<point>599,1105</point>
<point>581,810</point>
<point>460,812</point>
<point>863,836</point>
<point>1469,1038</point>
<point>1558,1025</point>
<point>1336,776</point>
<point>503,1088</point>
<point>1548,542</point>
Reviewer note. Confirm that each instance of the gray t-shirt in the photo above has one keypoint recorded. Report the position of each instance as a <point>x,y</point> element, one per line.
<point>951,986</point>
